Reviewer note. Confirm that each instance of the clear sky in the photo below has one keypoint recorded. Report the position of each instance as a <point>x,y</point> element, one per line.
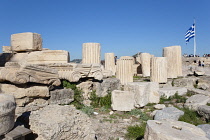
<point>124,27</point>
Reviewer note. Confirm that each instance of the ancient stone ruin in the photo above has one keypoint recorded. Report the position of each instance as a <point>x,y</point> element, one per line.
<point>35,104</point>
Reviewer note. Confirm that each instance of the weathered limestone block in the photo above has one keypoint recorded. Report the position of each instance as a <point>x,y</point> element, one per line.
<point>62,96</point>
<point>32,106</point>
<point>125,69</point>
<point>145,62</point>
<point>158,70</point>
<point>173,55</point>
<point>185,82</point>
<point>6,49</point>
<point>144,92</point>
<point>91,53</point>
<point>56,122</point>
<point>172,130</point>
<point>26,42</point>
<point>159,106</point>
<point>171,113</point>
<point>21,74</point>
<point>122,100</point>
<point>48,56</point>
<point>110,62</point>
<point>7,113</point>
<point>196,100</point>
<point>107,85</point>
<point>204,110</point>
<point>206,129</point>
<point>170,91</point>
<point>29,91</point>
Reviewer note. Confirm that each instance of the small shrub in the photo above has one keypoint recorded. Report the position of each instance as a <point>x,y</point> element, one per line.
<point>163,99</point>
<point>143,116</point>
<point>208,104</point>
<point>103,109</point>
<point>78,98</point>
<point>136,132</point>
<point>179,99</point>
<point>100,101</point>
<point>191,117</point>
<point>87,110</point>
<point>189,93</point>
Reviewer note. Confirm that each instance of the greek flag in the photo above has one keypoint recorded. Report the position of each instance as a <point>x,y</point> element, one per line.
<point>190,33</point>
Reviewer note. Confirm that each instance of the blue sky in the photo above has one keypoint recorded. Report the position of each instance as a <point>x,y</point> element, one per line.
<point>124,27</point>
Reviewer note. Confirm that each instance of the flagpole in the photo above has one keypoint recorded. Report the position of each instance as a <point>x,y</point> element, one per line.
<point>194,41</point>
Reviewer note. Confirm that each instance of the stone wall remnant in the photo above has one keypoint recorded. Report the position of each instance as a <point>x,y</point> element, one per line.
<point>91,53</point>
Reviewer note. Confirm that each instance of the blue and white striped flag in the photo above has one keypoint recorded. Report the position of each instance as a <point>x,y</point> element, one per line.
<point>190,33</point>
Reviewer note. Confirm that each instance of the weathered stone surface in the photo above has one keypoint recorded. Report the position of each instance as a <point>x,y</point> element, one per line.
<point>29,91</point>
<point>185,82</point>
<point>159,106</point>
<point>173,55</point>
<point>48,56</point>
<point>158,70</point>
<point>107,85</point>
<point>173,130</point>
<point>6,49</point>
<point>170,91</point>
<point>198,91</point>
<point>122,100</point>
<point>125,69</point>
<point>55,122</point>
<point>145,92</point>
<point>91,53</point>
<point>7,113</point>
<point>206,129</point>
<point>204,110</point>
<point>110,62</point>
<point>32,106</point>
<point>19,73</point>
<point>196,100</point>
<point>61,96</point>
<point>199,73</point>
<point>171,113</point>
<point>145,63</point>
<point>26,42</point>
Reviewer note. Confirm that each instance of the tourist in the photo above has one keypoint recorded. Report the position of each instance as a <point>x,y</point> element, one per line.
<point>203,64</point>
<point>199,63</point>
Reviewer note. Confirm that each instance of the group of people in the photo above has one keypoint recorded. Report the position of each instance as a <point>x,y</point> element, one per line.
<point>206,55</point>
<point>201,64</point>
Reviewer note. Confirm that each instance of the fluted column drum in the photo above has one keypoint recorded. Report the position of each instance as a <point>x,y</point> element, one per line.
<point>145,63</point>
<point>91,53</point>
<point>158,69</point>
<point>110,62</point>
<point>178,55</point>
<point>173,55</point>
<point>125,69</point>
<point>7,113</point>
